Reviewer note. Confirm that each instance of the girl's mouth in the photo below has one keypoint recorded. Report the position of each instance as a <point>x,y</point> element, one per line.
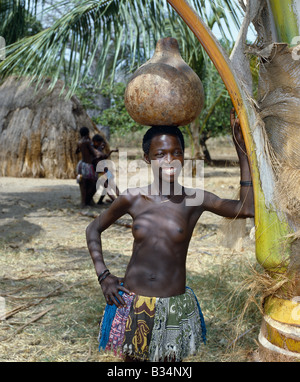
<point>170,171</point>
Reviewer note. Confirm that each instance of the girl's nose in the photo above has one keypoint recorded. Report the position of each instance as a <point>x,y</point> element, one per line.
<point>169,158</point>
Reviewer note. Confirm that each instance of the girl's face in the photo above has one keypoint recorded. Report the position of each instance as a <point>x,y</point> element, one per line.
<point>166,157</point>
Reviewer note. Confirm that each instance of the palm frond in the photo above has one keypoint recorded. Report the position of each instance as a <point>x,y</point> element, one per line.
<point>18,19</point>
<point>105,32</point>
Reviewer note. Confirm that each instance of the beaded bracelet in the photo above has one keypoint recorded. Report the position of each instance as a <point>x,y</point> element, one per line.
<point>104,277</point>
<point>246,183</point>
<point>102,273</point>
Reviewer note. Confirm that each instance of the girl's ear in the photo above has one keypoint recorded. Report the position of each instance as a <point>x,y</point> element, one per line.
<point>146,158</point>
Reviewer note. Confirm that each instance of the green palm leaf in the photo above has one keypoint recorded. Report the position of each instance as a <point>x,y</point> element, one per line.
<point>17,19</point>
<point>92,31</point>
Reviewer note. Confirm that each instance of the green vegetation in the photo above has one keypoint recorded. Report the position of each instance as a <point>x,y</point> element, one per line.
<point>92,42</point>
<point>17,21</point>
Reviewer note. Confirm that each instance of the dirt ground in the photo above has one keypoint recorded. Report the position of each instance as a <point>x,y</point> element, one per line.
<point>50,300</point>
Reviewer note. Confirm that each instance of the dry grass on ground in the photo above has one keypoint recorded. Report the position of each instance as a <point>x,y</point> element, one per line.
<point>51,295</point>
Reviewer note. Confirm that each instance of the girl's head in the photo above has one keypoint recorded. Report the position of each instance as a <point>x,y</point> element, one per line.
<point>161,130</point>
<point>164,149</point>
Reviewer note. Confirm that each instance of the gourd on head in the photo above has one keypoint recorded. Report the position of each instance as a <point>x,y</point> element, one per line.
<point>164,90</point>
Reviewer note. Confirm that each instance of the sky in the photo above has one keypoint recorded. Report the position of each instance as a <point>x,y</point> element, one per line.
<point>251,37</point>
<point>251,34</point>
<point>234,31</point>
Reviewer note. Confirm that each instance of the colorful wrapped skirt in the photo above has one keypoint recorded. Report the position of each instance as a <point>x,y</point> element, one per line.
<point>154,329</point>
<point>86,170</point>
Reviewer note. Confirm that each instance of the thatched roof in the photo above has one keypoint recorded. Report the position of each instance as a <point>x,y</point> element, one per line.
<point>39,130</point>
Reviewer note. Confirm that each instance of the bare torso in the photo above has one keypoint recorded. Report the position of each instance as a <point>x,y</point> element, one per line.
<point>162,232</point>
<point>88,153</point>
<point>162,228</point>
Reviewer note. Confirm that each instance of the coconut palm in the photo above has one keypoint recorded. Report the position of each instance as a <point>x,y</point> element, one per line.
<point>92,28</point>
<point>270,125</point>
<point>85,44</point>
<point>269,122</point>
<point>17,20</point>
<point>121,42</point>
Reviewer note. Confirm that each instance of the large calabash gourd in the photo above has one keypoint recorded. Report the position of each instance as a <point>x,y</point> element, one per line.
<point>164,91</point>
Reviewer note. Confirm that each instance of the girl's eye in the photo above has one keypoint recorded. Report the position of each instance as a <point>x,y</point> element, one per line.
<point>159,155</point>
<point>178,153</point>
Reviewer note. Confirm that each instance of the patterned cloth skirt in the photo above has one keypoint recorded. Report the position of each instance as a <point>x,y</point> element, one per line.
<point>154,329</point>
<point>86,170</point>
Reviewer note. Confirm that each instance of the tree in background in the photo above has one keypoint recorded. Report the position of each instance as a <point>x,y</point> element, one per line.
<point>213,120</point>
<point>115,115</point>
<point>17,20</point>
<point>269,122</point>
<point>113,52</point>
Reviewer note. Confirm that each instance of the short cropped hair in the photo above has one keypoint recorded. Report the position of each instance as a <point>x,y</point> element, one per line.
<point>161,130</point>
<point>84,131</point>
<point>97,138</point>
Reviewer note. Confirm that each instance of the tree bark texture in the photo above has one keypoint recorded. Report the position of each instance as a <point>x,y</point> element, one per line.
<point>271,151</point>
<point>279,104</point>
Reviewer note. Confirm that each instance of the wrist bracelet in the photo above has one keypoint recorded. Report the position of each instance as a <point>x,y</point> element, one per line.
<point>246,183</point>
<point>102,273</point>
<point>104,277</point>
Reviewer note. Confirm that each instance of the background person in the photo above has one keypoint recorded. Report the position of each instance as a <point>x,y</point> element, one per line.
<point>86,175</point>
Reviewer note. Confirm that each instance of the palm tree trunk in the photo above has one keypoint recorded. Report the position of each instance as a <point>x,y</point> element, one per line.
<point>272,222</point>
<point>279,103</point>
<point>268,250</point>
<point>285,19</point>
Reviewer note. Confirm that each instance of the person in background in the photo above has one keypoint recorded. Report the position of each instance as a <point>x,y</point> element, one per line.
<point>86,175</point>
<point>105,176</point>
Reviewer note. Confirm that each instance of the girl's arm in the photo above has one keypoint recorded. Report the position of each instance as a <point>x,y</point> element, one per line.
<point>110,284</point>
<point>244,207</point>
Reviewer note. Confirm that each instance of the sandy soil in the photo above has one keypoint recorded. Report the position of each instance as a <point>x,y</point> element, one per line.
<point>33,207</point>
<point>43,253</point>
<point>49,208</point>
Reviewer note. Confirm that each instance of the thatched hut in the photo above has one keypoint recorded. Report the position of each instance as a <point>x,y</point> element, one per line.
<point>39,130</point>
